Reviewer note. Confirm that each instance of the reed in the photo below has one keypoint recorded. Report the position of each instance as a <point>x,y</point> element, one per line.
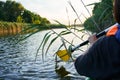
<point>48,39</point>
<point>11,28</point>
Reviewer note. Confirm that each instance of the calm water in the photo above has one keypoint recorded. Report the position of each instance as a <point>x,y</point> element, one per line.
<point>17,62</point>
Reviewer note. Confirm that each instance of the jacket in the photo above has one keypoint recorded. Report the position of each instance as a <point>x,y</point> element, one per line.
<point>102,60</point>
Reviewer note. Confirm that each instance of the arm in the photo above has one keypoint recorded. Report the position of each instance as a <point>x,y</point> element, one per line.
<point>88,63</point>
<point>92,39</point>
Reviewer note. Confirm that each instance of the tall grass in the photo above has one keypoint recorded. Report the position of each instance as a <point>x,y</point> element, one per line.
<point>11,28</point>
<point>48,37</point>
<point>68,29</point>
<point>52,36</point>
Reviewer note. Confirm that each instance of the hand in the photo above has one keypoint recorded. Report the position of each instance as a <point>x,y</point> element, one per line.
<point>92,39</point>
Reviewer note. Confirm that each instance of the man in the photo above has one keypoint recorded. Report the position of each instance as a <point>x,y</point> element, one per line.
<point>102,60</point>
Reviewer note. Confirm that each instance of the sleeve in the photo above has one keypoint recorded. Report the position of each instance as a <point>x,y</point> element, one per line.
<point>91,63</point>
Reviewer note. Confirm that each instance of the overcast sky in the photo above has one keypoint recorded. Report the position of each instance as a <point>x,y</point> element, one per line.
<point>57,9</point>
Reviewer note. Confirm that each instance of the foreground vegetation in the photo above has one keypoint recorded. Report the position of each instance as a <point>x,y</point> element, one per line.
<point>101,18</point>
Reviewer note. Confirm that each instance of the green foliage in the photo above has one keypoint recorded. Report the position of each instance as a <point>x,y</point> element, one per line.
<point>37,21</point>
<point>12,11</point>
<point>19,19</point>
<point>102,16</point>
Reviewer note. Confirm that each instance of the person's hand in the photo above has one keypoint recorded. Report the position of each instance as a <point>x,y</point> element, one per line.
<point>92,38</point>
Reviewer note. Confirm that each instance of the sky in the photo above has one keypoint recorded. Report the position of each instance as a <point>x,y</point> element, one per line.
<point>59,10</point>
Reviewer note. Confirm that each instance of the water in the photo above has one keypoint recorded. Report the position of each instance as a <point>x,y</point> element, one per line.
<point>17,62</point>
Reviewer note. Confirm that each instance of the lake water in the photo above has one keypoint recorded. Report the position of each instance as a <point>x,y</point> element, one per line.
<point>17,62</point>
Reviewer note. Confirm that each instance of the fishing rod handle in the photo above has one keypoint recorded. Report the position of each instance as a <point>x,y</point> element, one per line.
<point>87,41</point>
<point>97,35</point>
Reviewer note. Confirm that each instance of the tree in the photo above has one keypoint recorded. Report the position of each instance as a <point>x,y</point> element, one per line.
<point>102,16</point>
<point>27,16</point>
<point>2,10</point>
<point>12,11</point>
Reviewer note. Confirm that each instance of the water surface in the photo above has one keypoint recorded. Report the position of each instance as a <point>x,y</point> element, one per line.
<point>17,61</point>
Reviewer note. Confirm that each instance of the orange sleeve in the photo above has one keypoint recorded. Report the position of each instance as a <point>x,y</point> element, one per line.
<point>112,31</point>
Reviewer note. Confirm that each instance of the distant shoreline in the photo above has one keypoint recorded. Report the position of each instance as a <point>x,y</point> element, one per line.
<point>13,28</point>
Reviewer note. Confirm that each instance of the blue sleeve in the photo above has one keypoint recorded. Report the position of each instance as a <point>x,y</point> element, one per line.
<point>96,62</point>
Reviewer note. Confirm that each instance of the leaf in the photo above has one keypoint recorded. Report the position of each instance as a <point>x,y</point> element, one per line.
<point>65,32</point>
<point>41,45</point>
<point>45,42</point>
<point>58,22</point>
<point>21,39</point>
<point>51,44</point>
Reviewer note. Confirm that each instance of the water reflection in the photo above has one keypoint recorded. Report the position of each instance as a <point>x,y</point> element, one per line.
<point>17,62</point>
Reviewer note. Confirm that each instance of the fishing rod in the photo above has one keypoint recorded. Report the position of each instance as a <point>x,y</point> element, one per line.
<point>65,54</point>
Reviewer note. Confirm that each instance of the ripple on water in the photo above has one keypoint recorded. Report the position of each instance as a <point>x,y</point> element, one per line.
<point>16,62</point>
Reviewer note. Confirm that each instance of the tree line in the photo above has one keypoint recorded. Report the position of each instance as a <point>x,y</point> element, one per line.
<point>12,11</point>
<point>102,16</point>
